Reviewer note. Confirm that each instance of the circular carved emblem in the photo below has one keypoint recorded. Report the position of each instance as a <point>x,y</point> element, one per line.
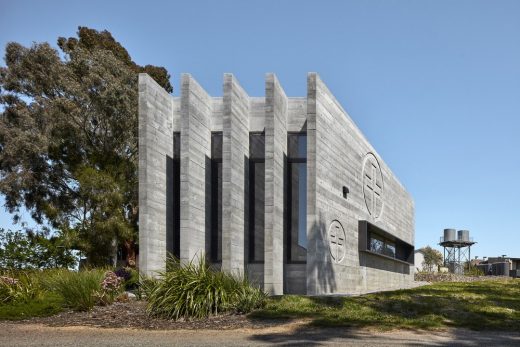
<point>373,185</point>
<point>337,241</point>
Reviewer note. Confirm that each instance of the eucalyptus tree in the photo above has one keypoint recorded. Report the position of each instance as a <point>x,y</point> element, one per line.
<point>68,139</point>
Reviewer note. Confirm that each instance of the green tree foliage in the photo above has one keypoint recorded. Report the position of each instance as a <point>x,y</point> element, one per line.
<point>432,259</point>
<point>68,138</point>
<point>34,250</point>
<point>92,40</point>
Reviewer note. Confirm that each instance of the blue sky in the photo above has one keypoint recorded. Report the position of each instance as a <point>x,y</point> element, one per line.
<point>434,85</point>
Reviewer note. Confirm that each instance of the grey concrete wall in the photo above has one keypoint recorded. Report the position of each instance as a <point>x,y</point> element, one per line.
<point>337,153</point>
<point>337,156</point>
<point>275,151</point>
<point>295,279</point>
<point>216,114</point>
<point>297,115</point>
<point>315,235</point>
<point>155,155</point>
<point>235,154</point>
<point>196,110</point>
<point>257,114</point>
<point>255,274</point>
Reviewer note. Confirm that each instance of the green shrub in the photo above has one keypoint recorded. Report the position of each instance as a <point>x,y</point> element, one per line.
<point>145,286</point>
<point>248,297</point>
<point>10,289</point>
<point>473,271</point>
<point>80,290</point>
<point>130,277</point>
<point>196,290</point>
<point>18,286</point>
<point>133,281</point>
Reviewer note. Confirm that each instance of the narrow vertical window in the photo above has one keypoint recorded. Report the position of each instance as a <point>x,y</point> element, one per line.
<point>216,197</point>
<point>176,194</point>
<point>296,198</point>
<point>256,197</point>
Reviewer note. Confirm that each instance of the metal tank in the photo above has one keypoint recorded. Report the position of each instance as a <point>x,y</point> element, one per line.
<point>450,235</point>
<point>504,268</point>
<point>463,235</point>
<point>500,269</point>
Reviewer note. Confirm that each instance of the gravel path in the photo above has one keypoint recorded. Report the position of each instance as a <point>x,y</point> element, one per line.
<point>291,334</point>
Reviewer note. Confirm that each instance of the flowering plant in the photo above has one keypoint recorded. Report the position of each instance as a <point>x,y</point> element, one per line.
<point>17,289</point>
<point>10,281</point>
<point>111,287</point>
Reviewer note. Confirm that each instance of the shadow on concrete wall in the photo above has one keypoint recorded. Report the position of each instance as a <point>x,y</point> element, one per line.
<point>320,264</point>
<point>375,262</point>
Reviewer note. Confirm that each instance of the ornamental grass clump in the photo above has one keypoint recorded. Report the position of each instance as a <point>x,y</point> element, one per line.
<point>80,290</point>
<point>18,287</point>
<point>195,290</point>
<point>9,288</point>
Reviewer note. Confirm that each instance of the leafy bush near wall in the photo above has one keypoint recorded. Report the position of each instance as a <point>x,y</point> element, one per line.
<point>195,290</point>
<point>130,277</point>
<point>145,287</point>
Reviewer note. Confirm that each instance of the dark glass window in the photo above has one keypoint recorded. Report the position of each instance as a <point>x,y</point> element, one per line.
<point>256,196</point>
<point>374,240</point>
<point>176,194</point>
<point>297,147</point>
<point>216,197</point>
<point>382,245</point>
<point>296,198</point>
<point>377,244</point>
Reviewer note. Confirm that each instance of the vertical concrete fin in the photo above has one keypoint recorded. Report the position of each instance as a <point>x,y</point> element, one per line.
<point>235,154</point>
<point>155,155</point>
<point>196,109</point>
<point>312,220</point>
<point>275,152</point>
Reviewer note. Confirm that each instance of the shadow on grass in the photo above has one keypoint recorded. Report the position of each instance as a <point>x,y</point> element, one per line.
<point>476,306</point>
<point>311,336</point>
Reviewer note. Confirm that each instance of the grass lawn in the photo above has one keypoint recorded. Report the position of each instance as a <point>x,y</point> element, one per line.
<point>493,305</point>
<point>47,305</point>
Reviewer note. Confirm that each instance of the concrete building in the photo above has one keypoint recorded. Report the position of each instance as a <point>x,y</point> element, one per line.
<point>500,266</point>
<point>286,190</point>
<point>419,260</point>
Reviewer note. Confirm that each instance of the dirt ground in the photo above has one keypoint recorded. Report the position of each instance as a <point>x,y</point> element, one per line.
<point>133,315</point>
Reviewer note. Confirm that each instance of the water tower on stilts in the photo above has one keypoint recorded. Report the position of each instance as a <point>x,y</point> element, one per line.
<point>457,249</point>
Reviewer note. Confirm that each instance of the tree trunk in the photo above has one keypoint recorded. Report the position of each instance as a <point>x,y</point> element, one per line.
<point>130,252</point>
